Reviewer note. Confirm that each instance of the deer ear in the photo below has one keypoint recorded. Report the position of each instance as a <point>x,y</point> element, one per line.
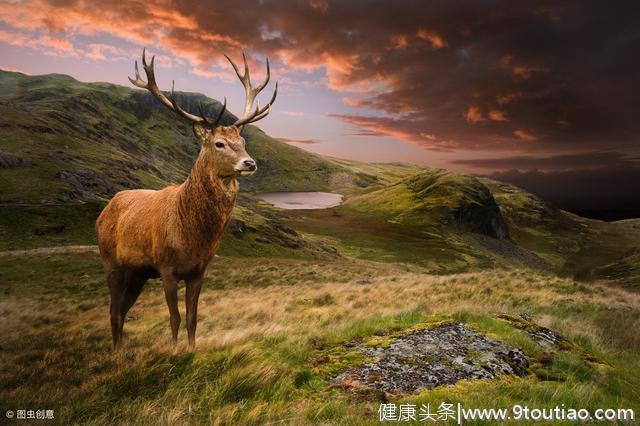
<point>201,131</point>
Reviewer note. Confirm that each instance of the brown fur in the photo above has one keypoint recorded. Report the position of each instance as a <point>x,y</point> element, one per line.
<point>172,233</point>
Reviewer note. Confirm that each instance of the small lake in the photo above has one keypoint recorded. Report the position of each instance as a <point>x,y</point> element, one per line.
<point>301,200</point>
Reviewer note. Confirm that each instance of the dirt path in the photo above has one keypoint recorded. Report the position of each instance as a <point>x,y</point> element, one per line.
<point>48,251</point>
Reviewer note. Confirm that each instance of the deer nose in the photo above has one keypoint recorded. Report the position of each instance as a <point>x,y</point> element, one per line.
<point>250,164</point>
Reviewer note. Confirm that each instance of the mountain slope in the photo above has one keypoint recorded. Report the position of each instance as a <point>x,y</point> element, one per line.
<point>68,146</point>
<point>454,222</point>
<point>434,198</point>
<point>73,141</point>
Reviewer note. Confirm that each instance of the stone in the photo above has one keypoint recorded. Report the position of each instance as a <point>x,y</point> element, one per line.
<point>237,227</point>
<point>430,357</point>
<point>8,161</point>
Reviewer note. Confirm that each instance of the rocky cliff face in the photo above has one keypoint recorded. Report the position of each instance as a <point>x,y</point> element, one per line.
<point>462,200</point>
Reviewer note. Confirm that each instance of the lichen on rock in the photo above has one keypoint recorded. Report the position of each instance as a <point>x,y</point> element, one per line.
<point>430,357</point>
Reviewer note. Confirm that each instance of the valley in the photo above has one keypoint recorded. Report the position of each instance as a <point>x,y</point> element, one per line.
<point>292,292</point>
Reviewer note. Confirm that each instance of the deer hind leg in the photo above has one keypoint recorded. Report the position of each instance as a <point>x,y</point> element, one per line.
<point>193,287</point>
<point>115,280</point>
<point>171,295</point>
<point>134,283</point>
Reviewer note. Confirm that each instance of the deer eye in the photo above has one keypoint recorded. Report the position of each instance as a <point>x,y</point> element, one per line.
<point>219,144</point>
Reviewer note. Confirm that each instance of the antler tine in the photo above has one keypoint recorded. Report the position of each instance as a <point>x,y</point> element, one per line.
<point>215,122</point>
<point>222,110</point>
<point>250,116</point>
<point>246,82</point>
<point>204,117</point>
<point>246,69</point>
<point>152,87</point>
<point>260,116</point>
<point>266,80</point>
<point>236,69</point>
<point>258,113</point>
<point>138,81</point>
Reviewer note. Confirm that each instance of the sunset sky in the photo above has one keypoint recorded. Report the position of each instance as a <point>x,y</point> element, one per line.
<point>518,89</point>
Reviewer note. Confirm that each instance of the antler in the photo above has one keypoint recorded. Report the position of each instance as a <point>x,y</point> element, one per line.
<point>170,102</point>
<point>250,116</point>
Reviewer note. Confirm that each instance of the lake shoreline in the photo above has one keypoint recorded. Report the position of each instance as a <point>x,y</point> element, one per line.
<point>302,200</point>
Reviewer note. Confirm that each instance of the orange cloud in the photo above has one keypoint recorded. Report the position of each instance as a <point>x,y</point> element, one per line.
<point>154,22</point>
<point>429,136</point>
<point>523,134</point>
<point>49,45</point>
<point>431,37</point>
<point>321,6</point>
<point>399,41</point>
<point>497,115</point>
<point>505,60</point>
<point>474,115</point>
<point>402,129</point>
<point>298,141</point>
<point>524,71</point>
<point>97,51</point>
<point>521,71</point>
<point>508,97</point>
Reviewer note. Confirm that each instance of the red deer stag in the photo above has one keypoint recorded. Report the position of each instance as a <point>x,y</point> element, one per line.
<point>173,233</point>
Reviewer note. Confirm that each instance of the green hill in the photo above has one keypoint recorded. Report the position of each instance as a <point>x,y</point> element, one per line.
<point>79,141</point>
<point>433,199</point>
<point>68,146</point>
<point>453,222</point>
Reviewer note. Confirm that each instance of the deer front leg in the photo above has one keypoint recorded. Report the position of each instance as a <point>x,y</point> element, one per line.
<point>193,288</point>
<point>171,295</point>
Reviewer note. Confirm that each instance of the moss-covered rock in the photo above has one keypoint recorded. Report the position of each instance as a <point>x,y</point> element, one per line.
<point>424,358</point>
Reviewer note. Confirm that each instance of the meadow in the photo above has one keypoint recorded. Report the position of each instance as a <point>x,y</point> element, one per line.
<point>264,323</point>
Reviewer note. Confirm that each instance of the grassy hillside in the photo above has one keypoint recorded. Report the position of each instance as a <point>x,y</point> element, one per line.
<point>434,218</point>
<point>68,146</point>
<point>272,334</point>
<point>79,141</point>
<point>569,243</point>
<point>625,268</point>
<point>433,199</point>
<point>451,222</point>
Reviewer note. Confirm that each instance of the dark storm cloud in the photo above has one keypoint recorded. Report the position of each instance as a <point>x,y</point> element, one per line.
<point>527,76</point>
<point>607,193</point>
<point>594,184</point>
<point>589,160</point>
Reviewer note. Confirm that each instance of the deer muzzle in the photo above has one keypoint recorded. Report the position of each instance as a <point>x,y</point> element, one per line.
<point>246,167</point>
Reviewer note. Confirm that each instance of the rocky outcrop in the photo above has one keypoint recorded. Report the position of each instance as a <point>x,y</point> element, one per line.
<point>87,184</point>
<point>462,200</point>
<point>430,357</point>
<point>8,161</point>
<point>482,216</point>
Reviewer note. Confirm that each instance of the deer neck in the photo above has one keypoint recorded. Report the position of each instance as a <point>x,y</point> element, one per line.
<point>205,201</point>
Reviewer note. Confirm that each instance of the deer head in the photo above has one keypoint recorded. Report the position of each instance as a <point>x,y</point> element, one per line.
<point>223,145</point>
